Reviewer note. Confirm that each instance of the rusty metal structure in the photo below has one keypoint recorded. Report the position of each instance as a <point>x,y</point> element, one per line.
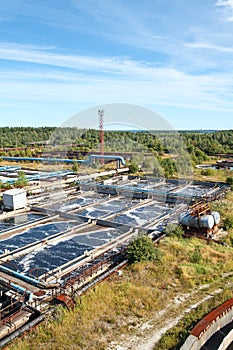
<point>199,208</point>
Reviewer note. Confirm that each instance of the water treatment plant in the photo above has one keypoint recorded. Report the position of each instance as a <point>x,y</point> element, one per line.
<point>57,243</point>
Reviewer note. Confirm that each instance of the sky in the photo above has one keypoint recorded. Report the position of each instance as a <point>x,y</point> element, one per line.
<point>61,57</point>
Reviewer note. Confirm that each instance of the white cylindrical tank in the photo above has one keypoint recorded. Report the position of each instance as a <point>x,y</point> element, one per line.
<point>206,221</point>
<point>188,220</point>
<point>203,221</point>
<point>216,217</point>
<point>183,219</point>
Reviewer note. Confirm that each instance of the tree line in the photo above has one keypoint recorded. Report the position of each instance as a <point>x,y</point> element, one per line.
<point>170,149</point>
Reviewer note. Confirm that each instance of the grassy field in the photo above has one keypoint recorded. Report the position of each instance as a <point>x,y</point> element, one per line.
<point>217,175</point>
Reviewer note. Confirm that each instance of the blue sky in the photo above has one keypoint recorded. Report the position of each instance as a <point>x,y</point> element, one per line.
<point>59,57</point>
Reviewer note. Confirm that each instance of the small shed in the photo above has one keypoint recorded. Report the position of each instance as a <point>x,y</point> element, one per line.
<point>14,199</point>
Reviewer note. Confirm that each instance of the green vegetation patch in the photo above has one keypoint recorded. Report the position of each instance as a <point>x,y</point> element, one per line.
<point>142,249</point>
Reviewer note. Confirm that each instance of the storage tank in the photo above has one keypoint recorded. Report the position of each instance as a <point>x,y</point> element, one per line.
<point>14,199</point>
<point>188,220</point>
<point>216,217</point>
<point>202,221</point>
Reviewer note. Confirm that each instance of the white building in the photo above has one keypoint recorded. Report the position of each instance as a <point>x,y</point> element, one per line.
<point>14,199</point>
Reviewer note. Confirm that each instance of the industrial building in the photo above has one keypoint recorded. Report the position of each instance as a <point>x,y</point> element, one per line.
<point>14,199</point>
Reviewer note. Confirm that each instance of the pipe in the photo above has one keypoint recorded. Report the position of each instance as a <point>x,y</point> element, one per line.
<point>22,330</point>
<point>96,156</point>
<point>9,168</point>
<point>20,276</point>
<point>34,159</point>
<point>60,160</point>
<point>18,288</point>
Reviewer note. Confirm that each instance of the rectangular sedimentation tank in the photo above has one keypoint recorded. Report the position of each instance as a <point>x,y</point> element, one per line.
<point>89,206</point>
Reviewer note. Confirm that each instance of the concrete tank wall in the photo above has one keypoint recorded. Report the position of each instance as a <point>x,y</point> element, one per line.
<point>195,343</point>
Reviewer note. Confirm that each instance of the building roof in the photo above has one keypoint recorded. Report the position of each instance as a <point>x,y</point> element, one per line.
<point>14,191</point>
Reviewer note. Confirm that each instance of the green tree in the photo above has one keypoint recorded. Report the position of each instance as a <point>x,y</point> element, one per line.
<point>153,166</point>
<point>142,249</point>
<point>75,167</point>
<point>133,168</point>
<point>158,171</point>
<point>21,180</point>
<point>169,167</point>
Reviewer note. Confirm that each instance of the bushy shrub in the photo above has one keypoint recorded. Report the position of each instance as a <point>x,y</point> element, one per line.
<point>229,180</point>
<point>195,257</point>
<point>75,167</point>
<point>174,230</point>
<point>133,168</point>
<point>21,180</point>
<point>228,223</point>
<point>207,172</point>
<point>142,249</point>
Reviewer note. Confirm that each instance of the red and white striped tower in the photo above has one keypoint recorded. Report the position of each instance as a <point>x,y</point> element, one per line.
<point>101,127</point>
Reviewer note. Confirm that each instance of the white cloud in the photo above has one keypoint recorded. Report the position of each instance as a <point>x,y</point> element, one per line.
<point>98,65</point>
<point>227,3</point>
<point>210,46</point>
<point>168,88</point>
<point>227,9</point>
<point>25,53</point>
<point>17,46</point>
<point>68,78</point>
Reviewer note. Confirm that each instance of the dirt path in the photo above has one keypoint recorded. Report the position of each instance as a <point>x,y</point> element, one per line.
<point>147,334</point>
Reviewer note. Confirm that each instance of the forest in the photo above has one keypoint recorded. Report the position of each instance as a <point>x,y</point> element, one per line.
<point>163,146</point>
